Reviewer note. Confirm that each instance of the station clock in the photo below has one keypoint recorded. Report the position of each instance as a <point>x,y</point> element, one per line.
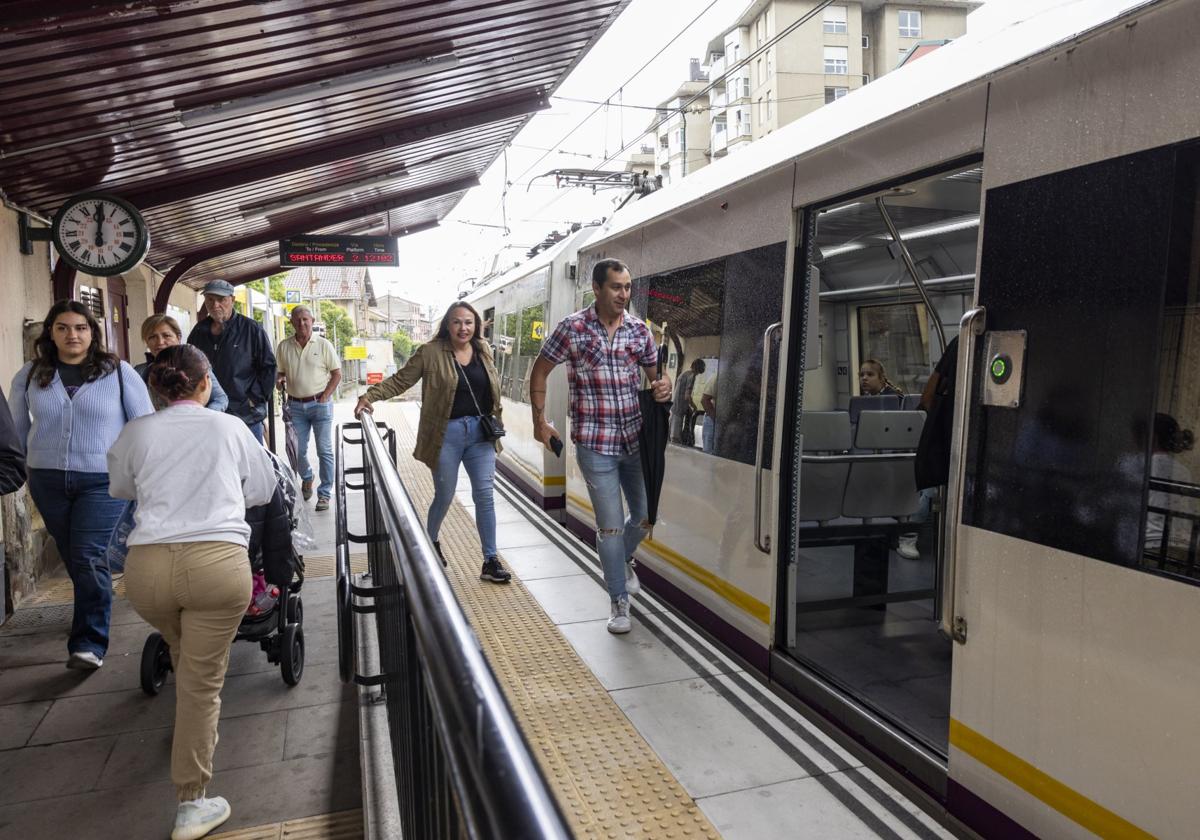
<point>100,234</point>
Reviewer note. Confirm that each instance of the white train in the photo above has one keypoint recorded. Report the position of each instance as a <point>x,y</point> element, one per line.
<point>1034,665</point>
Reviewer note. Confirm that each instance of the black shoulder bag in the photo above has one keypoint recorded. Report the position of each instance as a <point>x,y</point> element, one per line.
<point>492,428</point>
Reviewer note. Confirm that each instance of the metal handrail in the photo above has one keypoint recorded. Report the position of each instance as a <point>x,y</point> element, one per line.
<point>498,787</point>
<point>762,541</point>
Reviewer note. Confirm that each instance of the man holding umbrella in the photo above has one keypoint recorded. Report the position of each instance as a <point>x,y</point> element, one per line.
<point>604,349</point>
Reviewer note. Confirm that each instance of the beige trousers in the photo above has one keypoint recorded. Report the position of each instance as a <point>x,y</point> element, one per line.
<point>194,594</point>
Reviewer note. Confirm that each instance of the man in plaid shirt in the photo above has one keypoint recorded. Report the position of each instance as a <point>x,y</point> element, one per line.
<point>605,352</point>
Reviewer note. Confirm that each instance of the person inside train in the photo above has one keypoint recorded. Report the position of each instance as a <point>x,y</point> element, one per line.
<point>873,381</point>
<point>1170,442</point>
<point>683,416</point>
<point>604,350</point>
<point>459,425</point>
<point>158,333</point>
<point>188,572</point>
<point>68,405</point>
<point>708,399</point>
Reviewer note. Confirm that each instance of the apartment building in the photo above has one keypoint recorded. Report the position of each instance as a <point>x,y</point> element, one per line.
<point>681,128</point>
<point>761,86</point>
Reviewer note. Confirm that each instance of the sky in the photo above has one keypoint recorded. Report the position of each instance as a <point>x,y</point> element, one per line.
<point>472,240</point>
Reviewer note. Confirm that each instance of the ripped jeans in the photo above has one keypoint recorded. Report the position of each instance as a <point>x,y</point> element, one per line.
<point>616,537</point>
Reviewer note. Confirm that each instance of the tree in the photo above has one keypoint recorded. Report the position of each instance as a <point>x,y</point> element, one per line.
<point>402,346</point>
<point>338,327</point>
<point>278,294</point>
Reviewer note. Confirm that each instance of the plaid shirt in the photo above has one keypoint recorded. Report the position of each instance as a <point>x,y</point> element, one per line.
<point>604,378</point>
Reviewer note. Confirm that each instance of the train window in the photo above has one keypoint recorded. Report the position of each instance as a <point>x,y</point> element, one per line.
<point>898,333</point>
<point>532,331</point>
<point>715,314</point>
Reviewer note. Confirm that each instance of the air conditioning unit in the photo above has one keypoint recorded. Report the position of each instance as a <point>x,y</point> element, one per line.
<point>866,78</point>
<point>866,39</point>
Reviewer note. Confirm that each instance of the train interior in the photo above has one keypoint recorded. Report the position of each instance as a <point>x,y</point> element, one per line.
<point>859,602</point>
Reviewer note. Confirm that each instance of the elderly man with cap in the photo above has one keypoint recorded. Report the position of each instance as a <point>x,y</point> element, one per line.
<point>240,355</point>
<point>310,372</point>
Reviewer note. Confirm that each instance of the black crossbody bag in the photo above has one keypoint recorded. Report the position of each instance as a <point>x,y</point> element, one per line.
<point>492,428</point>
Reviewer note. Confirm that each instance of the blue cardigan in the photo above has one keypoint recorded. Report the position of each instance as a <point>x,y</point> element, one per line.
<point>63,433</point>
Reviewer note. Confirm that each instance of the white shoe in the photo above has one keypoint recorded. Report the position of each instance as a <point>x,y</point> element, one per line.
<point>619,622</point>
<point>84,661</point>
<point>200,816</point>
<point>632,585</point>
<point>907,547</point>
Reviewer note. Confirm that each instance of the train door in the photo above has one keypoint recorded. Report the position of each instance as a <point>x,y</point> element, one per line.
<point>860,551</point>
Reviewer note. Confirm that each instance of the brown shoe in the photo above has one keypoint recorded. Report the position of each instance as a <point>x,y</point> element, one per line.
<point>306,488</point>
<point>322,504</point>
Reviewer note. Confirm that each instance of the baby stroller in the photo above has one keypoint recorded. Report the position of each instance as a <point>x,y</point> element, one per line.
<point>275,530</point>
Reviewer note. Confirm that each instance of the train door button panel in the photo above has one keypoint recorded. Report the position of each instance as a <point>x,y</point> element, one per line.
<point>1004,363</point>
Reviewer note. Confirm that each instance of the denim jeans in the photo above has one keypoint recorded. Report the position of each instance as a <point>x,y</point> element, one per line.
<point>80,516</point>
<point>464,444</point>
<point>709,432</point>
<point>257,430</point>
<point>617,537</point>
<point>316,417</point>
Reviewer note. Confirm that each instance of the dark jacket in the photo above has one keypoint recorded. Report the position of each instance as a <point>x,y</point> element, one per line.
<point>12,462</point>
<point>271,548</point>
<point>243,362</point>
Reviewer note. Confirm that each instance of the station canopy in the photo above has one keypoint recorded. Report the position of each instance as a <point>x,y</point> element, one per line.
<point>233,124</point>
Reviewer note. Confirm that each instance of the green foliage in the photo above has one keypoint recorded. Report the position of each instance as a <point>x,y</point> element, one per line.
<point>531,315</point>
<point>338,327</point>
<point>402,346</point>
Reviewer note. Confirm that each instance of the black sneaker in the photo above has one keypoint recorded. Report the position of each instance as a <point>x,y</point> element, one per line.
<point>493,571</point>
<point>437,546</point>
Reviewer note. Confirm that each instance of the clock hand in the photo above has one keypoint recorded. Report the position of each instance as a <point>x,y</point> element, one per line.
<point>99,217</point>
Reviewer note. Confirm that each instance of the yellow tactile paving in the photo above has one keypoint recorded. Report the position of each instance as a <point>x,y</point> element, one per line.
<point>345,825</point>
<point>609,782</point>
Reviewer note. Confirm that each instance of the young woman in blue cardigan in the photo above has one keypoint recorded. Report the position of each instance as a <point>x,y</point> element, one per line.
<point>69,405</point>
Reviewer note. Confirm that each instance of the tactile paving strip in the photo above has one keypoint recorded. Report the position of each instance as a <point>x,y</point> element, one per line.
<point>608,781</point>
<point>344,825</point>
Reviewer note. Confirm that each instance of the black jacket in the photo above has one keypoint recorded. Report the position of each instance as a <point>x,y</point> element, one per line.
<point>12,462</point>
<point>243,362</point>
<point>271,540</point>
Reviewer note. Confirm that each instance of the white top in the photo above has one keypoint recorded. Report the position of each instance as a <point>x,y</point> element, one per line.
<point>193,473</point>
<point>307,368</point>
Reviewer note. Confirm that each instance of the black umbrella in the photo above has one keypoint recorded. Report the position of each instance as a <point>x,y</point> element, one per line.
<point>652,440</point>
<point>291,439</point>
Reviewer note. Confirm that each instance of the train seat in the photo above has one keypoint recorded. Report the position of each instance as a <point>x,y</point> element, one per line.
<point>876,489</point>
<point>910,402</point>
<point>872,402</point>
<point>822,485</point>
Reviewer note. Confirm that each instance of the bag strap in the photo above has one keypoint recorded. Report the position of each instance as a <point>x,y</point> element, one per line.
<point>470,390</point>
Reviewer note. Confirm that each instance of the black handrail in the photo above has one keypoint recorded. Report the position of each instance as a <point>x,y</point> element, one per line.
<point>463,768</point>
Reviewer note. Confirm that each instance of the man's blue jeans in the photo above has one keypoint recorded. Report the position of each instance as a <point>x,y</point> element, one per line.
<point>464,444</point>
<point>80,516</point>
<point>316,417</point>
<point>709,435</point>
<point>617,537</point>
<point>257,430</point>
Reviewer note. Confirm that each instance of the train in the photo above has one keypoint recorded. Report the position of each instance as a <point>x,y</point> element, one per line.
<point>1019,642</point>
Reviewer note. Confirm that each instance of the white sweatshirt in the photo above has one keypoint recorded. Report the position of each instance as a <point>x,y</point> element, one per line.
<point>193,473</point>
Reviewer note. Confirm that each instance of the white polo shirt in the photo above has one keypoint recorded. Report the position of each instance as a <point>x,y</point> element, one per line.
<point>307,368</point>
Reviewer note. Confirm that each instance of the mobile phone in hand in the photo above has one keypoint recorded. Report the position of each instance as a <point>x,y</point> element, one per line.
<point>557,446</point>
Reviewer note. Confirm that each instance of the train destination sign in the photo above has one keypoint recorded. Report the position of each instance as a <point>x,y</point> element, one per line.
<point>318,249</point>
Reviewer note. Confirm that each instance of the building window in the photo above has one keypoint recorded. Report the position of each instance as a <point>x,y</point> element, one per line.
<point>770,65</point>
<point>664,142</point>
<point>768,103</point>
<point>832,94</point>
<point>910,24</point>
<point>835,19</point>
<point>761,77</point>
<point>837,61</point>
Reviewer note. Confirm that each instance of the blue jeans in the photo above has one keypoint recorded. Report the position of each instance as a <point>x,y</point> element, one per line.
<point>80,516</point>
<point>316,417</point>
<point>617,537</point>
<point>709,433</point>
<point>257,429</point>
<point>464,444</point>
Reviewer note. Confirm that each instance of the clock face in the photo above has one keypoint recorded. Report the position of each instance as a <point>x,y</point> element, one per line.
<point>100,234</point>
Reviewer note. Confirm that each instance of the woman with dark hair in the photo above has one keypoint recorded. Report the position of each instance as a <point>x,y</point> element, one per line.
<point>159,332</point>
<point>188,572</point>
<point>460,405</point>
<point>69,404</point>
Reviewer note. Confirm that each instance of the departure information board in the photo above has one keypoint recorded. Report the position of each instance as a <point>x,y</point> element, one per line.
<point>318,249</point>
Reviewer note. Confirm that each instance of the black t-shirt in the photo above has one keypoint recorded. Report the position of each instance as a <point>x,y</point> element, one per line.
<point>464,405</point>
<point>71,376</point>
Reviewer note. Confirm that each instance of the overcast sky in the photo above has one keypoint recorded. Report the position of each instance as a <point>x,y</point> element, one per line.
<point>433,263</point>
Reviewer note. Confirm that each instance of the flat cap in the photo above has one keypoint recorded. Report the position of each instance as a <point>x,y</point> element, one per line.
<point>218,287</point>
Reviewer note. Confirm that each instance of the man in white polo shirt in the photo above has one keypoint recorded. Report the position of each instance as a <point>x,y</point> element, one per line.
<point>310,372</point>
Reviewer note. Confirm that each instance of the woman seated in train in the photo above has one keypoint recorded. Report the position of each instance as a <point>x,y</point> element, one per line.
<point>459,425</point>
<point>873,381</point>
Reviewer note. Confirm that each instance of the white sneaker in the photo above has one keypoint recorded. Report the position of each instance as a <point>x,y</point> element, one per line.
<point>619,622</point>
<point>84,661</point>
<point>907,547</point>
<point>196,818</point>
<point>632,585</point>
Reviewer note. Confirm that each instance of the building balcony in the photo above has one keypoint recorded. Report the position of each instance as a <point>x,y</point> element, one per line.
<point>737,88</point>
<point>716,67</point>
<point>720,140</point>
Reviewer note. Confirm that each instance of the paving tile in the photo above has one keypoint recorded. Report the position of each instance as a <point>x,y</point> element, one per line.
<point>18,721</point>
<point>634,659</point>
<point>76,718</point>
<point>248,694</point>
<point>51,681</point>
<point>53,770</point>
<point>145,757</point>
<point>710,749</point>
<point>519,534</point>
<point>321,730</point>
<point>540,561</point>
<point>569,599</point>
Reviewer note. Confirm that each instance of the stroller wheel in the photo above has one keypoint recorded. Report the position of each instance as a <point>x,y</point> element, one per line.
<point>156,663</point>
<point>291,654</point>
<point>295,609</point>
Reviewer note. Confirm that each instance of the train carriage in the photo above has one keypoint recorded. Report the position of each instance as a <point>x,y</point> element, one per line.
<point>1018,642</point>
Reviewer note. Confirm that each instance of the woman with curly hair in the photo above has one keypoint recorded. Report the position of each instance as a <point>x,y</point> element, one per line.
<point>69,405</point>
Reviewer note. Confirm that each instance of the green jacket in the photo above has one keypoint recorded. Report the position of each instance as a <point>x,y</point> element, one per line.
<point>433,366</point>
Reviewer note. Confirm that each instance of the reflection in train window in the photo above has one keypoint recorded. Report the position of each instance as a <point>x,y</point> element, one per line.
<point>1172,522</point>
<point>716,312</point>
<point>529,343</point>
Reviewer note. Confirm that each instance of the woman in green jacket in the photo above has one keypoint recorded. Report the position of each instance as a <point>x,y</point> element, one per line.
<point>459,387</point>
